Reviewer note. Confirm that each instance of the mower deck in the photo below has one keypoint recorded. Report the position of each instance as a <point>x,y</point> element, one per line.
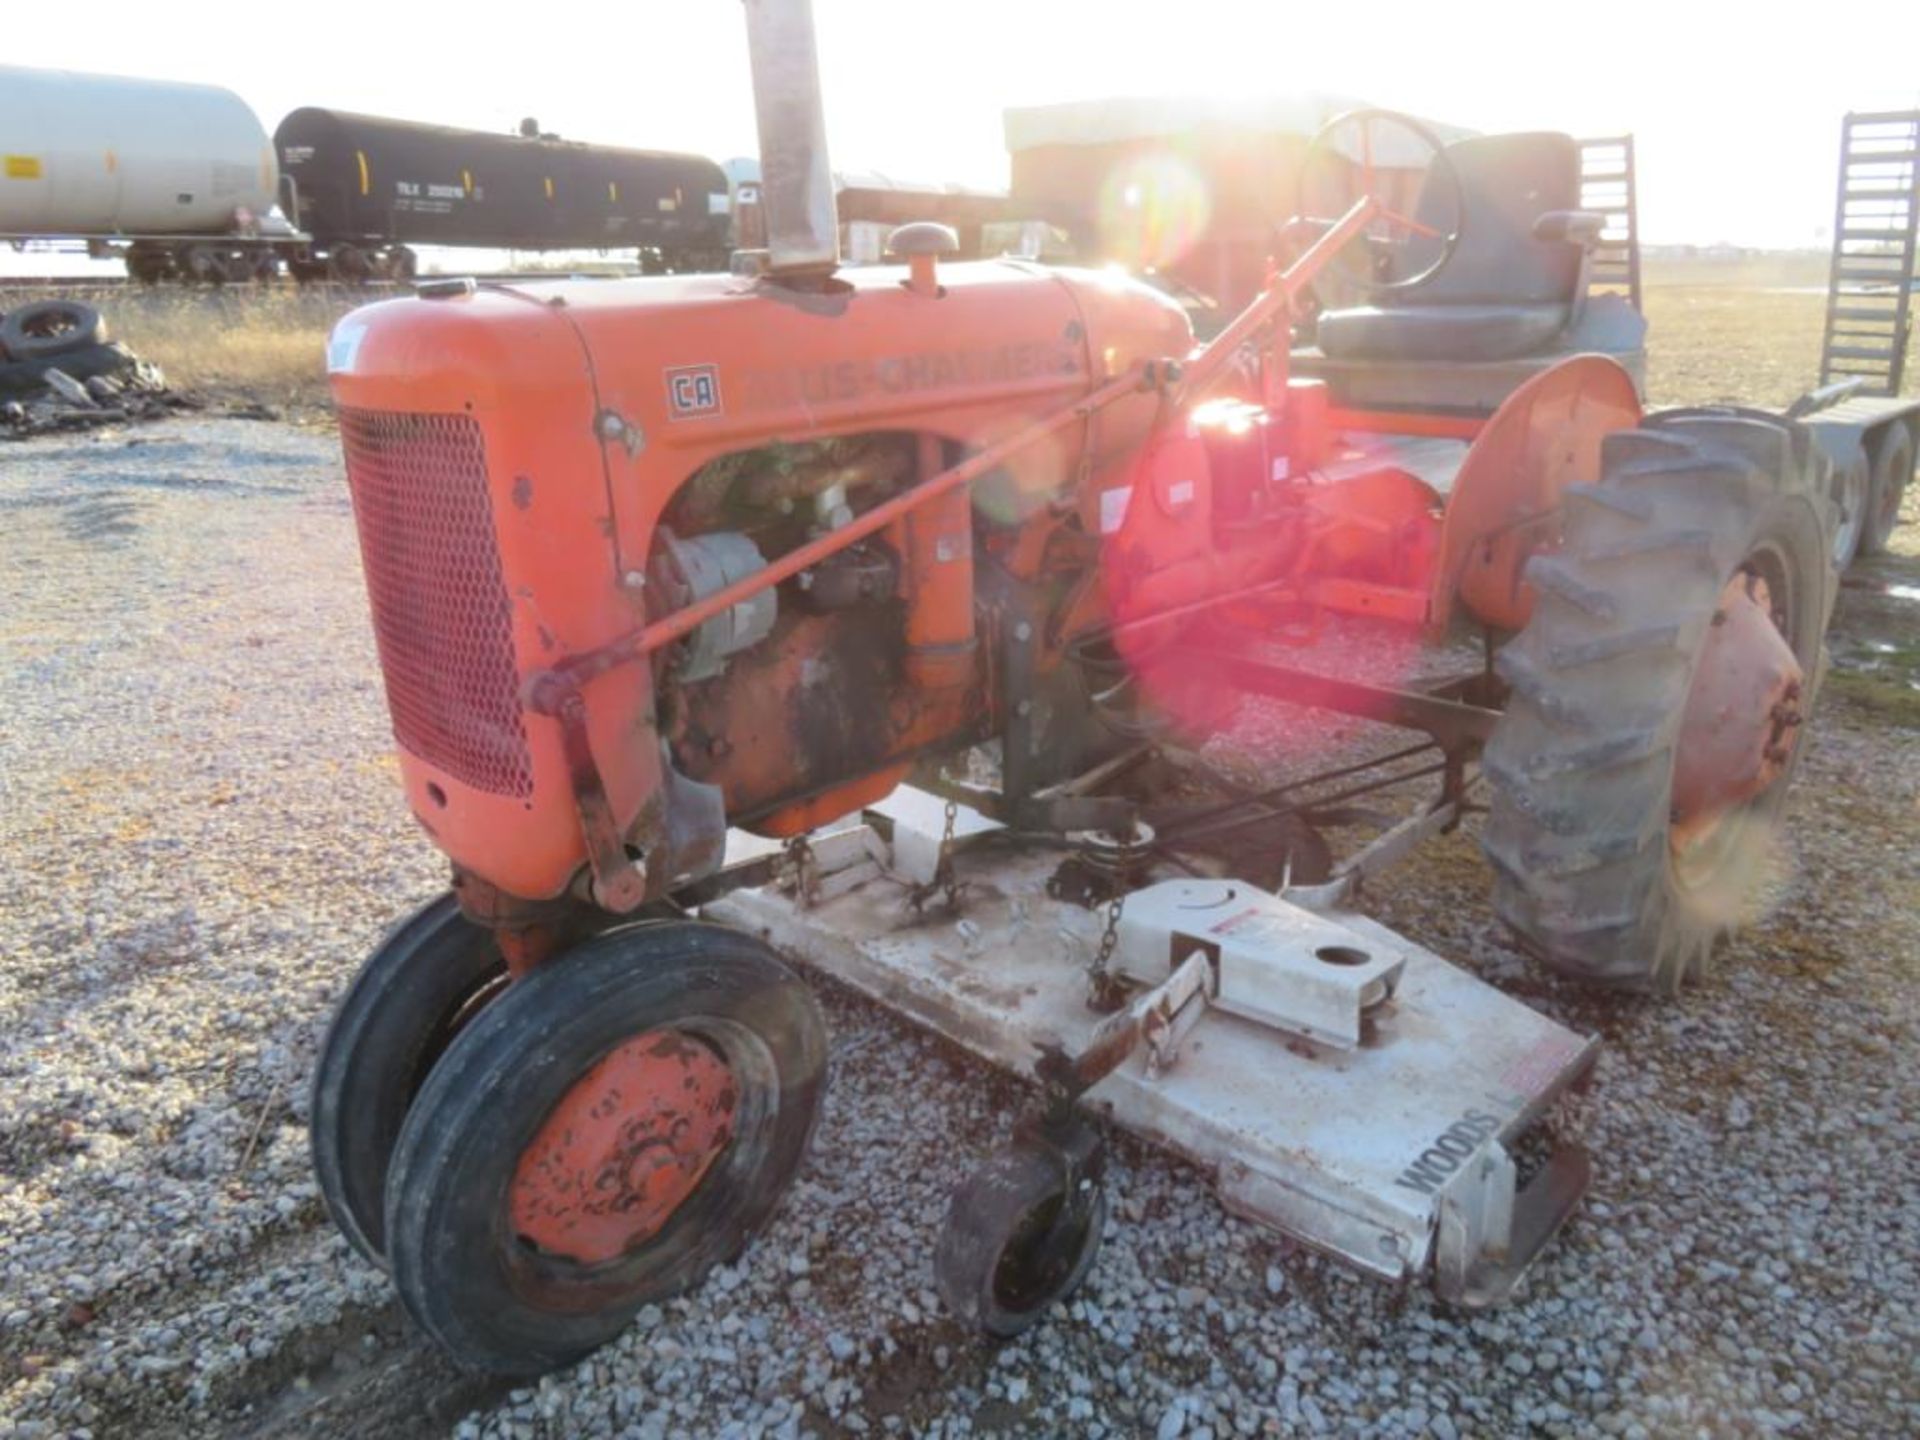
<point>1394,1155</point>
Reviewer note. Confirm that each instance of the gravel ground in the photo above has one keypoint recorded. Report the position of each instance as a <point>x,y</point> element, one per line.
<point>205,836</point>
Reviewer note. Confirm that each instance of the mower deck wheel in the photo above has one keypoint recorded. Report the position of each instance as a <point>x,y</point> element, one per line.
<point>429,975</point>
<point>619,1122</point>
<point>1021,1233</point>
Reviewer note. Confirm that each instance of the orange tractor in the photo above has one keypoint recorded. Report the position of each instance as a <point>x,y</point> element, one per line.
<point>923,573</point>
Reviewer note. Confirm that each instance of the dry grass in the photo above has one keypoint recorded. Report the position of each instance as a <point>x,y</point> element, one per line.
<point>246,345</point>
<point>1746,332</point>
<point>1711,343</point>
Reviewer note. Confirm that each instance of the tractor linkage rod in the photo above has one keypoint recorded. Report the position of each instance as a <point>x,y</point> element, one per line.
<point>1454,725</point>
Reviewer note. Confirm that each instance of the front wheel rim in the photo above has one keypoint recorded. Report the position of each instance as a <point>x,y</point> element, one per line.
<point>725,1182</point>
<point>624,1148</point>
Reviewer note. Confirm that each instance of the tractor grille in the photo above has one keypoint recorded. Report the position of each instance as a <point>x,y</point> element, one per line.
<point>440,609</point>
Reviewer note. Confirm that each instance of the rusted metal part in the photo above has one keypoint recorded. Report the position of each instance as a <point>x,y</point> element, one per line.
<point>778,476</point>
<point>864,575</point>
<point>804,871</point>
<point>939,583</point>
<point>1737,732</point>
<point>684,831</point>
<point>1454,724</point>
<point>624,1148</point>
<point>828,805</point>
<point>1505,504</point>
<point>528,933</point>
<point>526,950</point>
<point>1104,863</point>
<point>619,881</point>
<point>816,720</point>
<point>1158,1018</point>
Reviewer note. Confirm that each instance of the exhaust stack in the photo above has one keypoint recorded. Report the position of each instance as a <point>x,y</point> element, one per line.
<point>796,180</point>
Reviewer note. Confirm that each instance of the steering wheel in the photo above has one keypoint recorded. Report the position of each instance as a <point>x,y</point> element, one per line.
<point>1350,164</point>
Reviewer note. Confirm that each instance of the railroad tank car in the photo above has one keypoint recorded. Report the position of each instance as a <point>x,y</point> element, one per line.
<point>109,157</point>
<point>366,188</point>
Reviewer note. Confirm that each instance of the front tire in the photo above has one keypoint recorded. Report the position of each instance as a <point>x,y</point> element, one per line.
<point>1591,872</point>
<point>614,1126</point>
<point>432,972</point>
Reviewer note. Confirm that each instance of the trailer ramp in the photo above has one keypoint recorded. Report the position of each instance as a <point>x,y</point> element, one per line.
<point>1870,280</point>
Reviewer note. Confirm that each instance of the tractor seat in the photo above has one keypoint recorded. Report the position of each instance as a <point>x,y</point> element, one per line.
<point>1515,279</point>
<point>1440,332</point>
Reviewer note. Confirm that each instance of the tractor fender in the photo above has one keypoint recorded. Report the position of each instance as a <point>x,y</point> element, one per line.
<point>1505,503</point>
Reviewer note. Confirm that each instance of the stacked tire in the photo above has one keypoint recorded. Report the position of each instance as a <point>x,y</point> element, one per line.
<point>58,334</point>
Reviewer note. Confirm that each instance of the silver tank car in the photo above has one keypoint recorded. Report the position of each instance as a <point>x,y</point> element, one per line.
<point>109,155</point>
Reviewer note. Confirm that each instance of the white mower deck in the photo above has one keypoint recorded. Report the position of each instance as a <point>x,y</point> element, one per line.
<point>1393,1153</point>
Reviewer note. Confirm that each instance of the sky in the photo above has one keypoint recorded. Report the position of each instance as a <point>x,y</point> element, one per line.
<point>1736,108</point>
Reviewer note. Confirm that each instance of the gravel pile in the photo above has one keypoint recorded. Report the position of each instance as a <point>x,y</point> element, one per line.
<point>204,836</point>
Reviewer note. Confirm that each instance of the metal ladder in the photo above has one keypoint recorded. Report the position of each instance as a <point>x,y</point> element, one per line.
<point>1870,282</point>
<point>1606,188</point>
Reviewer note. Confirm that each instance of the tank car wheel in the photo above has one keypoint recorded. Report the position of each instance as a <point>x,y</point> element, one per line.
<point>42,329</point>
<point>400,263</point>
<point>263,265</point>
<point>1022,1232</point>
<point>614,1126</point>
<point>1658,696</point>
<point>427,978</point>
<point>348,265</point>
<point>199,265</point>
<point>1892,470</point>
<point>148,267</point>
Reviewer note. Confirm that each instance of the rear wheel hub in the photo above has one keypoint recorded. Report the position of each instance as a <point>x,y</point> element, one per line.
<point>624,1148</point>
<point>1738,730</point>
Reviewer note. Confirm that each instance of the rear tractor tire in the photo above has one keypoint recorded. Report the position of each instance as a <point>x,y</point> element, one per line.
<point>1685,612</point>
<point>616,1124</point>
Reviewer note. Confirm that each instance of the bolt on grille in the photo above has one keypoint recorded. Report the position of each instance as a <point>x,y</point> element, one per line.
<point>441,615</point>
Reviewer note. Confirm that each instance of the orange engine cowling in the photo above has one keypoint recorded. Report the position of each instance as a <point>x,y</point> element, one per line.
<point>540,470</point>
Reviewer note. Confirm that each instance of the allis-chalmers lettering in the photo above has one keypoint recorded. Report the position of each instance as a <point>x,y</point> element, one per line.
<point>1440,1159</point>
<point>852,380</point>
